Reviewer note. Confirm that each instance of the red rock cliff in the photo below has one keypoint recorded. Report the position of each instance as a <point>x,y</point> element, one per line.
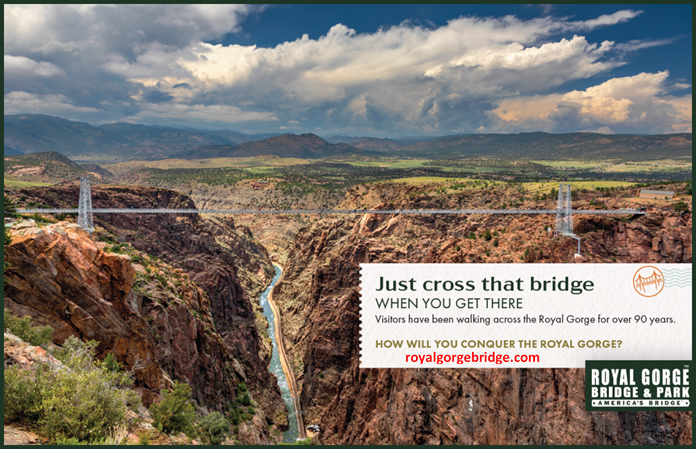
<point>319,303</point>
<point>223,261</point>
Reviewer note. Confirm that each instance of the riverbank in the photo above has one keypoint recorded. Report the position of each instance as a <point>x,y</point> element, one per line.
<point>289,373</point>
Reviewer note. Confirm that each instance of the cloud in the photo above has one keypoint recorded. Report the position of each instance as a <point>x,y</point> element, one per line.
<point>116,28</point>
<point>20,65</point>
<point>156,96</point>
<point>24,102</point>
<point>640,44</point>
<point>213,113</point>
<point>605,20</point>
<point>631,104</point>
<point>156,64</point>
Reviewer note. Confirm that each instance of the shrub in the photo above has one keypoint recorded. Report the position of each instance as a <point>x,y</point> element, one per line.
<point>487,236</point>
<point>234,416</point>
<point>161,279</point>
<point>471,235</point>
<point>40,219</point>
<point>175,413</point>
<point>84,402</point>
<point>242,387</point>
<point>106,238</point>
<point>495,243</point>
<point>244,399</point>
<point>84,405</point>
<point>110,363</point>
<point>70,442</point>
<point>23,393</point>
<point>136,258</point>
<point>22,328</point>
<point>145,439</point>
<point>215,427</point>
<point>680,206</point>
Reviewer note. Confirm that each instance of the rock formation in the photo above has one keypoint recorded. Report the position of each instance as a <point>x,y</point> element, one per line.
<point>209,334</point>
<point>319,302</point>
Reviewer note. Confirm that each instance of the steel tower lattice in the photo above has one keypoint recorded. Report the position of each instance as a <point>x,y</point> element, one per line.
<point>84,213</point>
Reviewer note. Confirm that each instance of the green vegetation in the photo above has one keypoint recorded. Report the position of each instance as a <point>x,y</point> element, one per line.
<point>307,177</point>
<point>241,409</point>
<point>219,162</point>
<point>175,412</point>
<point>83,403</point>
<point>216,427</point>
<point>22,328</point>
<point>11,181</point>
<point>680,206</point>
<point>110,364</point>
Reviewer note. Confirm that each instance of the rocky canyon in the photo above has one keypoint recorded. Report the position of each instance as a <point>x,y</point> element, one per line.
<point>175,297</point>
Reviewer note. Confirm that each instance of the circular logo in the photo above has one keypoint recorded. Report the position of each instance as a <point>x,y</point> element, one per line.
<point>648,281</point>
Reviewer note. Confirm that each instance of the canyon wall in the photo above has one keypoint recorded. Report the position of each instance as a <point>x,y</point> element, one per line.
<point>319,301</point>
<point>206,331</point>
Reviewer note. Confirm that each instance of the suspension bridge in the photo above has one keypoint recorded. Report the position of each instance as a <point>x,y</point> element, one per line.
<point>564,211</point>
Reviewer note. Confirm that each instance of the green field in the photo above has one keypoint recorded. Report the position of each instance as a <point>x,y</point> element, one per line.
<point>389,163</point>
<point>616,166</point>
<point>420,180</point>
<point>8,181</point>
<point>220,162</point>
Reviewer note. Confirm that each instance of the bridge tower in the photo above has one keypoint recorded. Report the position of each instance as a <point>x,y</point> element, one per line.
<point>564,215</point>
<point>84,212</point>
<point>564,211</point>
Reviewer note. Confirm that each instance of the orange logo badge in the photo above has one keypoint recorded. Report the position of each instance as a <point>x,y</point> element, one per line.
<point>648,281</point>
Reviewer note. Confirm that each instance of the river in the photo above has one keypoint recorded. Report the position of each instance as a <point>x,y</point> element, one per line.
<point>289,436</point>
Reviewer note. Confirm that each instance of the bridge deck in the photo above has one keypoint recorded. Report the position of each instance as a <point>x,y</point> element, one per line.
<point>332,211</point>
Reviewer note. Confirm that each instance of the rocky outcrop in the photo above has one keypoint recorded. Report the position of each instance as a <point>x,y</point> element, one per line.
<point>15,436</point>
<point>319,301</point>
<point>60,278</point>
<point>225,262</point>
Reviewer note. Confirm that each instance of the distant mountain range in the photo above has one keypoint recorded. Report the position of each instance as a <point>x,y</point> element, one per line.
<point>539,145</point>
<point>30,133</point>
<point>307,146</point>
<point>369,143</point>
